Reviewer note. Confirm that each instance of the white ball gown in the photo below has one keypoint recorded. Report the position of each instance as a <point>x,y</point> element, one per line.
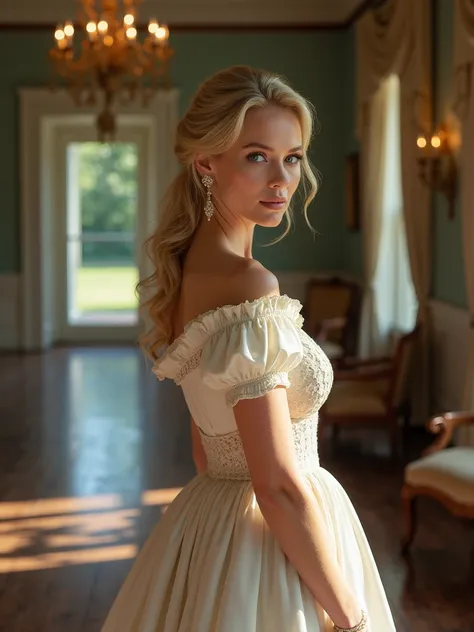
<point>211,564</point>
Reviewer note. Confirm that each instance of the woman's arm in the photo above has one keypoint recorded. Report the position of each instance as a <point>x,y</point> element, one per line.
<point>287,503</point>
<point>289,506</point>
<point>199,456</point>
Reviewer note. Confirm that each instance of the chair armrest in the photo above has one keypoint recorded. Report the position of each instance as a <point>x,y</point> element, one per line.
<point>363,376</point>
<point>444,426</point>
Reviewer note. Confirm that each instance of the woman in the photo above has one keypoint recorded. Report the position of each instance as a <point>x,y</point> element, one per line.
<point>262,539</point>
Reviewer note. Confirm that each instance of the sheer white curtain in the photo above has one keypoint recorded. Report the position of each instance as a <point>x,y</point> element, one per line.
<point>396,39</point>
<point>374,155</point>
<point>395,299</point>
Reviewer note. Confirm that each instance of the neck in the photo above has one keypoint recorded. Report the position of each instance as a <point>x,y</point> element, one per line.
<point>236,238</point>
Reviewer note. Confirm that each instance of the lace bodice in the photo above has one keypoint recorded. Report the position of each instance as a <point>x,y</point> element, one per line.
<point>226,456</point>
<point>240,352</point>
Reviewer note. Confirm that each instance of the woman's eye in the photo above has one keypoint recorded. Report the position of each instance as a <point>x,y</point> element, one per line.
<point>254,157</point>
<point>294,159</point>
<point>259,157</point>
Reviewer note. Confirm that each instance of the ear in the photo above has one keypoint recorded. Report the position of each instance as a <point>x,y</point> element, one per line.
<point>203,165</point>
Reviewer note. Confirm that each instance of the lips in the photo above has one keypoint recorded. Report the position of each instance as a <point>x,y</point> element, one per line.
<point>274,204</point>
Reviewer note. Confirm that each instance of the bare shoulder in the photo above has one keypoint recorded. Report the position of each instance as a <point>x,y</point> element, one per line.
<point>251,281</point>
<point>232,281</point>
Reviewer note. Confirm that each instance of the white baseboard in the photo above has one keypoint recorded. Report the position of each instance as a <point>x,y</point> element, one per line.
<point>10,334</point>
<point>292,283</point>
<point>449,355</point>
<point>450,331</point>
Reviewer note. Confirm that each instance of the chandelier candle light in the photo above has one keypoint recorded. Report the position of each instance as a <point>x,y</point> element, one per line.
<point>110,60</point>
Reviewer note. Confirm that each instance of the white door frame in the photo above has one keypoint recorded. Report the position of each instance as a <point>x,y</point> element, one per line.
<point>40,110</point>
<point>61,132</point>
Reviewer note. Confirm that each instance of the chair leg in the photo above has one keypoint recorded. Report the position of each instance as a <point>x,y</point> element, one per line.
<point>409,498</point>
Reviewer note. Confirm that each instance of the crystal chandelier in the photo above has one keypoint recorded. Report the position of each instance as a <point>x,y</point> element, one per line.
<point>110,64</point>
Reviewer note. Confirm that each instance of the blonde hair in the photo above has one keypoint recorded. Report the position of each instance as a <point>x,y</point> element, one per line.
<point>210,126</point>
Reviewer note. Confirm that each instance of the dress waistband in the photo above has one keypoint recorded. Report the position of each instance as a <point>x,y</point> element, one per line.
<point>226,457</point>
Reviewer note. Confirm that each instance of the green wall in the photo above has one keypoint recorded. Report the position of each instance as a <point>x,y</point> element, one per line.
<point>319,64</point>
<point>316,63</point>
<point>448,282</point>
<point>351,240</point>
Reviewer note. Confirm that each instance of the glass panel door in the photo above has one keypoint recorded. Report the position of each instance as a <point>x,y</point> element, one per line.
<point>101,233</point>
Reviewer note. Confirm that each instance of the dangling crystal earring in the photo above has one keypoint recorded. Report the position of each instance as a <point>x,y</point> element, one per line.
<point>209,206</point>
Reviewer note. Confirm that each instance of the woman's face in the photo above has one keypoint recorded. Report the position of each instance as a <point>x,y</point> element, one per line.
<point>257,177</point>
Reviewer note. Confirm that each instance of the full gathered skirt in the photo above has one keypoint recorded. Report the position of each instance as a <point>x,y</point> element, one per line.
<point>211,564</point>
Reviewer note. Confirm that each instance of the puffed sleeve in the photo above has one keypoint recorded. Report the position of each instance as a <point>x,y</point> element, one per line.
<point>254,352</point>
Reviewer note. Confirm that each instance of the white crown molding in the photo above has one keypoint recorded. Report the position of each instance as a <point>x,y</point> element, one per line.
<point>196,12</point>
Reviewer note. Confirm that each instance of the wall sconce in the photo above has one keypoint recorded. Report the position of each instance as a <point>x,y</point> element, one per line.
<point>437,165</point>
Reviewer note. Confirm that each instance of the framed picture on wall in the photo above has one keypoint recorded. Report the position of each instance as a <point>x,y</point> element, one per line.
<point>352,189</point>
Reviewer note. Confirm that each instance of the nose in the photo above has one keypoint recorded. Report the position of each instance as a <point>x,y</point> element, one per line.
<point>280,178</point>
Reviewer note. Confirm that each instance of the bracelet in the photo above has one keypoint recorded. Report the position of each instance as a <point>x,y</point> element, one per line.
<point>360,627</point>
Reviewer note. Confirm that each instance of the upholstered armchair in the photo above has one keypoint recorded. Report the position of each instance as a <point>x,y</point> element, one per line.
<point>444,473</point>
<point>372,392</point>
<point>331,315</point>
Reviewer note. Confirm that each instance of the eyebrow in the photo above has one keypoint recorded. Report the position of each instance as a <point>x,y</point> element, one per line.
<point>261,146</point>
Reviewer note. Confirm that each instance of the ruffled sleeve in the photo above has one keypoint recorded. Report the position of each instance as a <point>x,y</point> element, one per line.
<point>255,352</point>
<point>245,350</point>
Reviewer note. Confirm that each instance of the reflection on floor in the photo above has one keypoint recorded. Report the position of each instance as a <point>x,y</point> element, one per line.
<point>92,450</point>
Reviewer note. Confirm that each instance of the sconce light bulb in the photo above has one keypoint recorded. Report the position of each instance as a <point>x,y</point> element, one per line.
<point>421,142</point>
<point>435,141</point>
<point>153,26</point>
<point>162,33</point>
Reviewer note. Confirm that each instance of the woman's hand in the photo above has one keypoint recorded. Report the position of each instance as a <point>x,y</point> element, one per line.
<point>354,621</point>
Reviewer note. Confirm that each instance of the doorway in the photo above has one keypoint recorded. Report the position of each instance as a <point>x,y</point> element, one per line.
<point>98,221</point>
<point>86,209</point>
<point>100,237</point>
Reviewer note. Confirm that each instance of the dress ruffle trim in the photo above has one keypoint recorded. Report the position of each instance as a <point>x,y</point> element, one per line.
<point>257,388</point>
<point>203,327</point>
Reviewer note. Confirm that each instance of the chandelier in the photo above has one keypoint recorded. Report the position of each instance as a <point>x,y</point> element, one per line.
<point>109,64</point>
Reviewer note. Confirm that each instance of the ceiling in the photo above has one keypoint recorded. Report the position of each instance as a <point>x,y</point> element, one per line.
<point>197,12</point>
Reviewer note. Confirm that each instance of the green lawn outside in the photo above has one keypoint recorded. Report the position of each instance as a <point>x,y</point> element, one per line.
<point>106,289</point>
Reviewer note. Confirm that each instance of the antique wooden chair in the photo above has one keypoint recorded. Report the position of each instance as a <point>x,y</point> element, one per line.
<point>331,311</point>
<point>443,473</point>
<point>372,392</point>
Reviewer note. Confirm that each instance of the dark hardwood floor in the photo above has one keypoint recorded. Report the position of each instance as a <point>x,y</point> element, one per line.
<point>93,448</point>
